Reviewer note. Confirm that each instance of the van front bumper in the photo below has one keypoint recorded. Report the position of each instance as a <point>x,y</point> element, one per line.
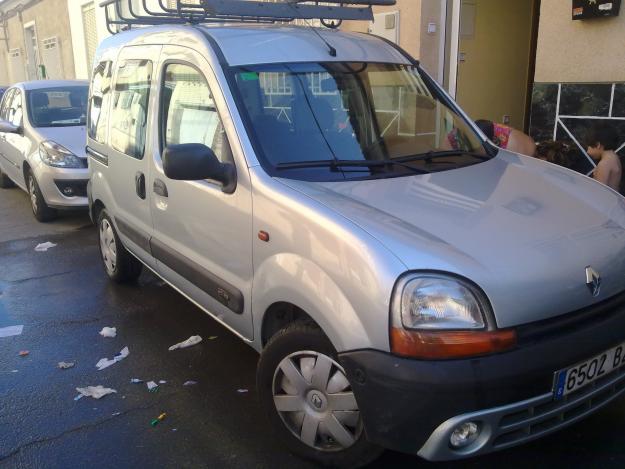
<point>413,406</point>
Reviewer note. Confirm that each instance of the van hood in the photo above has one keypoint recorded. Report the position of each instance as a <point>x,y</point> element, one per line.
<point>73,138</point>
<point>522,229</point>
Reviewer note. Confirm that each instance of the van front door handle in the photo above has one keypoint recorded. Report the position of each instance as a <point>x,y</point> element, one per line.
<point>140,184</point>
<point>160,188</point>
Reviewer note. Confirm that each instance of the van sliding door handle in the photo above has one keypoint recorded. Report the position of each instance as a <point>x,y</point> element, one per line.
<point>140,185</point>
<point>160,188</point>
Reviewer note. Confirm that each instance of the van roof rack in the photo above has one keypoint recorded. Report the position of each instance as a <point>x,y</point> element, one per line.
<point>124,14</point>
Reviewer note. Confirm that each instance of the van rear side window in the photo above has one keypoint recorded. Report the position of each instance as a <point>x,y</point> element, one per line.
<point>130,107</point>
<point>190,113</point>
<point>99,104</point>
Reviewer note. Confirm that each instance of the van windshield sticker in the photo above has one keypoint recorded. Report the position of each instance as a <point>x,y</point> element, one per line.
<point>249,76</point>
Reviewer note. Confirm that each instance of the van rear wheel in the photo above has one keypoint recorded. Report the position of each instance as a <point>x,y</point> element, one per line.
<point>309,399</point>
<point>119,264</point>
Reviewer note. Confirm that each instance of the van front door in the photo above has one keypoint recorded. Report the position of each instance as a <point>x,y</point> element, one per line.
<point>128,167</point>
<point>202,238</point>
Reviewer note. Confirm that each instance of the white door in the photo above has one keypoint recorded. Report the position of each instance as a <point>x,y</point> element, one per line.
<point>128,166</point>
<point>32,57</point>
<point>202,238</point>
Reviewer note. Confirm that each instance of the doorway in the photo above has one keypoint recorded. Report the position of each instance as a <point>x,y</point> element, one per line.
<point>32,52</point>
<point>495,59</point>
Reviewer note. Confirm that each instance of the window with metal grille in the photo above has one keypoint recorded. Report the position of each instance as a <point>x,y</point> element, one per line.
<point>90,32</point>
<point>50,43</point>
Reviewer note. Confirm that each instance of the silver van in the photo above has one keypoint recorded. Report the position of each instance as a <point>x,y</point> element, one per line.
<point>407,284</point>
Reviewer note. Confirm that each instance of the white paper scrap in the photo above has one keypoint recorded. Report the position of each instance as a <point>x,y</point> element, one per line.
<point>151,385</point>
<point>94,391</point>
<point>108,332</point>
<point>43,247</point>
<point>11,330</point>
<point>193,340</point>
<point>105,362</point>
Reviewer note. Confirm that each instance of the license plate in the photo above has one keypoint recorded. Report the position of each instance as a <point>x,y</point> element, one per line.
<point>578,376</point>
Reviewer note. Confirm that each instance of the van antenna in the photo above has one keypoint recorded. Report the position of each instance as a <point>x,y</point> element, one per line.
<point>331,49</point>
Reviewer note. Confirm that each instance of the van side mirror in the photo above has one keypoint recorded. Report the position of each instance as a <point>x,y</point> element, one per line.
<point>8,128</point>
<point>194,162</point>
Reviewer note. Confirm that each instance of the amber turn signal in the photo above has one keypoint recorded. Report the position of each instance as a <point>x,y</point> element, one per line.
<point>438,345</point>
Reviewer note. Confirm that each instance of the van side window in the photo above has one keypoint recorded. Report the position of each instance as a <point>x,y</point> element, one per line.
<point>130,107</point>
<point>16,110</point>
<point>100,101</point>
<point>189,111</point>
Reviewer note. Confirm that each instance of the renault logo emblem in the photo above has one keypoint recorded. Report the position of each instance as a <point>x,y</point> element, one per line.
<point>316,401</point>
<point>593,280</point>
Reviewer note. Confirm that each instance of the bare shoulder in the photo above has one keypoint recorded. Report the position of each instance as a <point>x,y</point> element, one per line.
<point>522,143</point>
<point>610,161</point>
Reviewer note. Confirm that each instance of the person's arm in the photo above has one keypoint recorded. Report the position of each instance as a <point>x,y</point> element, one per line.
<point>602,173</point>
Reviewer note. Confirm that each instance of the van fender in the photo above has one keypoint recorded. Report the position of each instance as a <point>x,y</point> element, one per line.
<point>287,277</point>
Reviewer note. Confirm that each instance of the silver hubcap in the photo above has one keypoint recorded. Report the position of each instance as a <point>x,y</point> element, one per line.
<point>108,246</point>
<point>315,401</point>
<point>33,193</point>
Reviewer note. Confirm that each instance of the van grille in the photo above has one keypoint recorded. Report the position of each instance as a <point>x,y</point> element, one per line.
<point>545,416</point>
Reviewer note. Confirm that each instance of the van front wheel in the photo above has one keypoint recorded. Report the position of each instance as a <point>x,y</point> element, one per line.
<point>309,399</point>
<point>120,265</point>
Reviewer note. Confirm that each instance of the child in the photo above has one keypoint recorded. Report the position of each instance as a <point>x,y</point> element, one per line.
<point>602,143</point>
<point>508,138</point>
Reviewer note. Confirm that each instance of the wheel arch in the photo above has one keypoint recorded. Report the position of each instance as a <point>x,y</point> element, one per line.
<point>280,297</point>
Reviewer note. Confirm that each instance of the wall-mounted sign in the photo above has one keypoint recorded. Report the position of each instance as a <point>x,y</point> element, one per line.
<point>585,9</point>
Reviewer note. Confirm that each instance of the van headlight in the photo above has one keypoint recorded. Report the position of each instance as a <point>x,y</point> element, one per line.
<point>439,303</point>
<point>434,316</point>
<point>53,154</point>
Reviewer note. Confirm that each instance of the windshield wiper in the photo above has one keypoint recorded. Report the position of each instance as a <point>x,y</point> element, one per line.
<point>432,155</point>
<point>338,164</point>
<point>63,124</point>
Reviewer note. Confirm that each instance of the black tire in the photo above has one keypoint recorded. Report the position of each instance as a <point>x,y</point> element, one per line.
<point>119,264</point>
<point>5,181</point>
<point>41,210</point>
<point>300,338</point>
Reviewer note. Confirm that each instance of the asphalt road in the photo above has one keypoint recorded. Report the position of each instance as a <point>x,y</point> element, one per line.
<point>63,299</point>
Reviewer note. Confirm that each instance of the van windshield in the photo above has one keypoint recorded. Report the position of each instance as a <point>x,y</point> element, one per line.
<point>339,120</point>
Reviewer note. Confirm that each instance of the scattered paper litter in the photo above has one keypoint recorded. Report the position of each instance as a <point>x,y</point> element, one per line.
<point>191,341</point>
<point>136,380</point>
<point>66,365</point>
<point>189,383</point>
<point>115,414</point>
<point>152,386</point>
<point>15,371</point>
<point>11,331</point>
<point>162,382</point>
<point>105,362</point>
<point>23,353</point>
<point>43,247</point>
<point>212,337</point>
<point>94,391</point>
<point>242,391</point>
<point>108,332</point>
